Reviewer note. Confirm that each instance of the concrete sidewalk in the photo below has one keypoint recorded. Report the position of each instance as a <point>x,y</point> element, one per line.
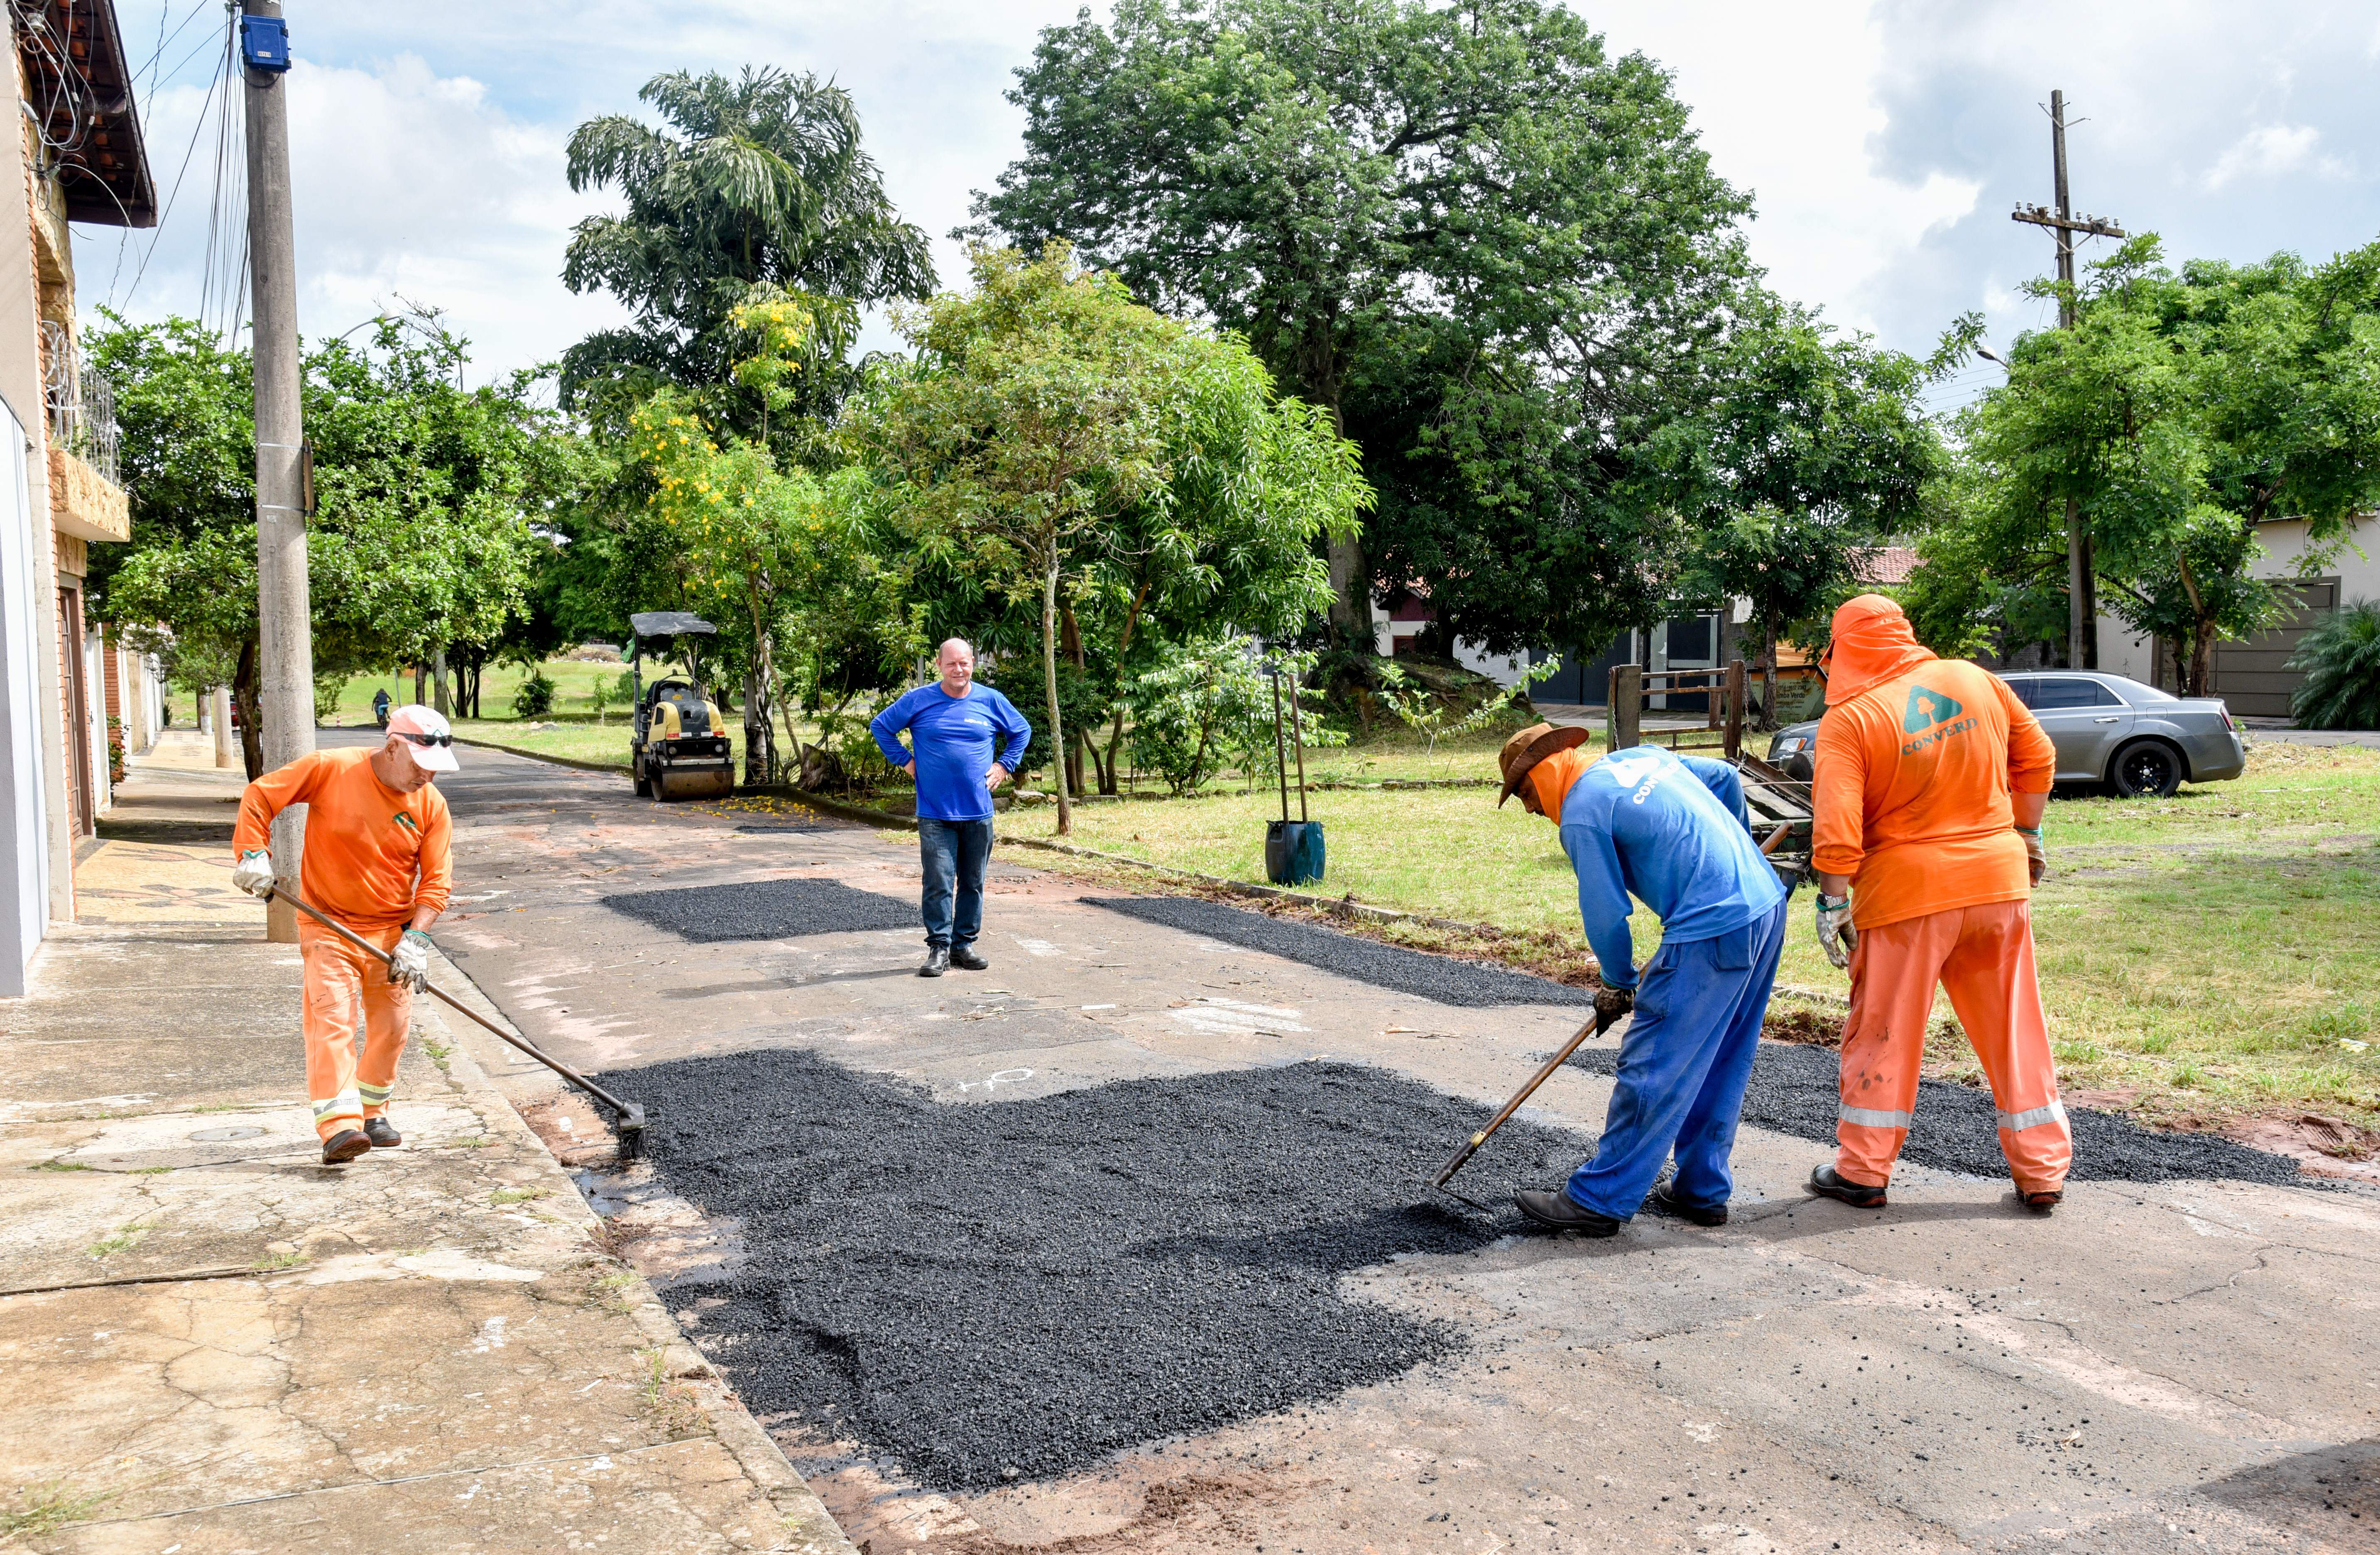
<point>214,1343</point>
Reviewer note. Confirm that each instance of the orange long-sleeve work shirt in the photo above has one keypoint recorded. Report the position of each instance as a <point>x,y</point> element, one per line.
<point>373,856</point>
<point>1912,792</point>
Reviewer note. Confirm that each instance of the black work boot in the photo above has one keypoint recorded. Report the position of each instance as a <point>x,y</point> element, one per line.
<point>965,958</point>
<point>382,1134</point>
<point>1555,1211</point>
<point>344,1146</point>
<point>1666,1199</point>
<point>938,961</point>
<point>2040,1201</point>
<point>1829,1184</point>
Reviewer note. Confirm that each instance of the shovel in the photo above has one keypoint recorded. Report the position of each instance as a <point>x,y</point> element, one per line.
<point>631,1116</point>
<point>1471,1145</point>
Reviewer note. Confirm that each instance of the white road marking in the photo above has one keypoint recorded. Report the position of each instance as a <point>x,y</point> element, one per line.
<point>1232,1017</point>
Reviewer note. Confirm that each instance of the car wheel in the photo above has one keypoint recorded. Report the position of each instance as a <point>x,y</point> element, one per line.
<point>2147,770</point>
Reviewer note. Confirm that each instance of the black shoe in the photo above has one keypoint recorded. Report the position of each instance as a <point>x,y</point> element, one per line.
<point>965,958</point>
<point>1826,1182</point>
<point>382,1134</point>
<point>1556,1212</point>
<point>1666,1200</point>
<point>2040,1201</point>
<point>344,1146</point>
<point>938,961</point>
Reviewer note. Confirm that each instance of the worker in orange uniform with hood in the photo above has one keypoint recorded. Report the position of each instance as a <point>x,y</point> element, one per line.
<point>377,861</point>
<point>1931,780</point>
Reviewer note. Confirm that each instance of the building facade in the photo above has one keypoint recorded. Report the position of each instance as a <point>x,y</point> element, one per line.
<point>2253,677</point>
<point>69,695</point>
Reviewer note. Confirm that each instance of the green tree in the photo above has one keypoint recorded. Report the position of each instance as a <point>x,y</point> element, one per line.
<point>2183,411</point>
<point>423,547</point>
<point>1484,245</point>
<point>1054,438</point>
<point>421,540</point>
<point>1811,450</point>
<point>757,190</point>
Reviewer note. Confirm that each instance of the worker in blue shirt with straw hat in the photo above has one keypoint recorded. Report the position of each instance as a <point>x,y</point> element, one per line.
<point>1673,833</point>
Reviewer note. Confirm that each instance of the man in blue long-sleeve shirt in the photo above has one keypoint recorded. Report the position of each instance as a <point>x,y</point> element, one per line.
<point>951,725</point>
<point>1673,833</point>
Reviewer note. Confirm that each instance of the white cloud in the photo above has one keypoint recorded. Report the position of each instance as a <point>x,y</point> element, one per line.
<point>404,184</point>
<point>1883,141</point>
<point>2272,149</point>
<point>1784,100</point>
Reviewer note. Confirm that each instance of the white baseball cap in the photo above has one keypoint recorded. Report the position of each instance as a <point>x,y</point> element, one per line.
<point>427,737</point>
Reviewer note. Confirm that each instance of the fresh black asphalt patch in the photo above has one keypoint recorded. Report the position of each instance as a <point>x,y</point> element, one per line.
<point>778,909</point>
<point>1444,978</point>
<point>1796,1089</point>
<point>985,1293</point>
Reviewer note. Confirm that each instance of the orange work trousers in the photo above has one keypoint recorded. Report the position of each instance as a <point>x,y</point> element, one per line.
<point>1983,957</point>
<point>345,988</point>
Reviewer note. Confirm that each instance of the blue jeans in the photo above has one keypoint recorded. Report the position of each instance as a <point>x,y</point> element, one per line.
<point>954,852</point>
<point>1684,1065</point>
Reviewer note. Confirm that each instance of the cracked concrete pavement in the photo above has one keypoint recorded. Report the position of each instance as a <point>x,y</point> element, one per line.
<point>2183,1366</point>
<point>214,1343</point>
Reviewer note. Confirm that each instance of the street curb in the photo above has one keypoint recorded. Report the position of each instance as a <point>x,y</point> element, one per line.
<point>580,764</point>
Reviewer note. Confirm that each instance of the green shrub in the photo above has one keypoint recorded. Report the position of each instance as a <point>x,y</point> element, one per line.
<point>535,697</point>
<point>2341,659</point>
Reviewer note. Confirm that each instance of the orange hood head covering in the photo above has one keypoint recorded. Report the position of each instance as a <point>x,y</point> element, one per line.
<point>1872,644</point>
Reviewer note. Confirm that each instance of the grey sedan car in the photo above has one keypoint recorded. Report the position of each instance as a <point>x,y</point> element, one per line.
<point>2136,739</point>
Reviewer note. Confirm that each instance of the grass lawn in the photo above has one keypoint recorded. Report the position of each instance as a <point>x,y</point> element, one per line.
<point>570,731</point>
<point>2209,957</point>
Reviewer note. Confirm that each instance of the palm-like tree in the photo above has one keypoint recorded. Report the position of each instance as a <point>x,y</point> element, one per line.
<point>757,188</point>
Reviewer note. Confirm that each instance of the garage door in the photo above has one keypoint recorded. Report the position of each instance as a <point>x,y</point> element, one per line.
<point>2253,677</point>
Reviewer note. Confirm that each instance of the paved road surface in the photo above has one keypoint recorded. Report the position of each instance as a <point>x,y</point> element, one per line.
<point>2185,1365</point>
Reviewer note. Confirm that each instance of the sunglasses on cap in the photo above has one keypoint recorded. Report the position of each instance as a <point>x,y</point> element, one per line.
<point>426,739</point>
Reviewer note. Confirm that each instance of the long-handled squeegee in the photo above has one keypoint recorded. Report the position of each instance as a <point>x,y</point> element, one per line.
<point>631,1116</point>
<point>1447,1174</point>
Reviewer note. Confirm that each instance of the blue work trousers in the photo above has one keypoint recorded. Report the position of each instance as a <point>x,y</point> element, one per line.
<point>954,853</point>
<point>1683,1064</point>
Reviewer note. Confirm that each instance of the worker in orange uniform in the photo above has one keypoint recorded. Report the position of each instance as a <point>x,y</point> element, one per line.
<point>377,835</point>
<point>1931,780</point>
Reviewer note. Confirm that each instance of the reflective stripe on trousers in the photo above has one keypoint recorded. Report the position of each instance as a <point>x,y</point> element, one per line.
<point>2017,1122</point>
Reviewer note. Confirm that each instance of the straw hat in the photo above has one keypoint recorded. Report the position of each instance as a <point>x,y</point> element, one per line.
<point>1530,747</point>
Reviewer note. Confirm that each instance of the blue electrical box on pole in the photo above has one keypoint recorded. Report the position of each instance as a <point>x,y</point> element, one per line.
<point>264,42</point>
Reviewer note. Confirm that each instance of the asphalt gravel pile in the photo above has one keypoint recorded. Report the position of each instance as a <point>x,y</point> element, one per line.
<point>1443,979</point>
<point>995,1291</point>
<point>780,909</point>
<point>1796,1090</point>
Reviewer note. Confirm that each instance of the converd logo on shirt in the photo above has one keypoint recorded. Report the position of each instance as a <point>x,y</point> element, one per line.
<point>406,822</point>
<point>1929,716</point>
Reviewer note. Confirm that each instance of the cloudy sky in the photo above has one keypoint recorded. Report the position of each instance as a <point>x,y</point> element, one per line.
<point>1884,142</point>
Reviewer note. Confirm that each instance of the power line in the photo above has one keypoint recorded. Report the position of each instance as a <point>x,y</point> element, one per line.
<point>216,105</point>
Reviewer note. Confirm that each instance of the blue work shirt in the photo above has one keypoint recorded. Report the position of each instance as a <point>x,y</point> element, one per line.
<point>1674,833</point>
<point>951,739</point>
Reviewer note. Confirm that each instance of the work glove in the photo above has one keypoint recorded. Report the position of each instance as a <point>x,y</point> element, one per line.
<point>253,874</point>
<point>1610,1004</point>
<point>409,962</point>
<point>2036,857</point>
<point>1835,933</point>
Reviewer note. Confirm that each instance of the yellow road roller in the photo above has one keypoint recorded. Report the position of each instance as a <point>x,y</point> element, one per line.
<point>679,747</point>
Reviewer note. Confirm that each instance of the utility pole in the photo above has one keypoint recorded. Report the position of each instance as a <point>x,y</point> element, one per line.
<point>2082,577</point>
<point>284,612</point>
